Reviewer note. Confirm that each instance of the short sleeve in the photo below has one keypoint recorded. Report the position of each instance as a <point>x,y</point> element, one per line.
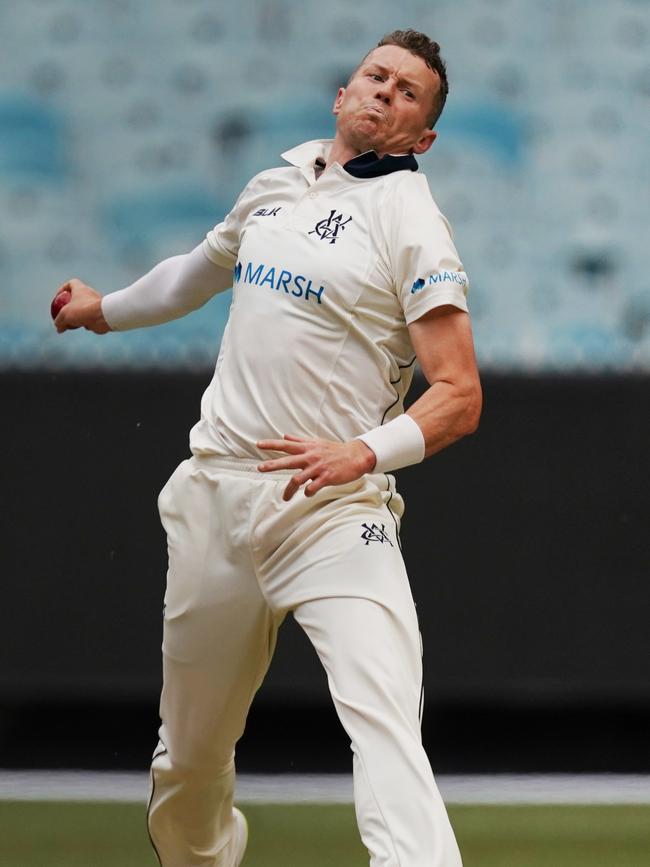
<point>424,262</point>
<point>221,244</point>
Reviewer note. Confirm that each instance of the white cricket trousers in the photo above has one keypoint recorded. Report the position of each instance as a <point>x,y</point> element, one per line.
<point>239,559</point>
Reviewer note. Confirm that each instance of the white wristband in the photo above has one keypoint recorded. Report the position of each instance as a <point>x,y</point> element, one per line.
<point>397,444</point>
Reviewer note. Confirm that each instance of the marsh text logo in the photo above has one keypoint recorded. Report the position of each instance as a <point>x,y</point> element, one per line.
<point>458,277</point>
<point>280,279</point>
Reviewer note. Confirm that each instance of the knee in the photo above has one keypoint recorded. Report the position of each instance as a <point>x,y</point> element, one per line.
<point>184,765</point>
<point>188,753</point>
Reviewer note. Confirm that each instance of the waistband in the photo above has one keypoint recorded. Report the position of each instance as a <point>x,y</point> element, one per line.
<point>248,466</point>
<point>239,465</point>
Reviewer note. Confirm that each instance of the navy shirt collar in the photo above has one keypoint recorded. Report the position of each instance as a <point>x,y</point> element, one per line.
<point>369,165</point>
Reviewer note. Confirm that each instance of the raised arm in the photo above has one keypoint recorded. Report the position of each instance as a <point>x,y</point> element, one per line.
<point>173,288</point>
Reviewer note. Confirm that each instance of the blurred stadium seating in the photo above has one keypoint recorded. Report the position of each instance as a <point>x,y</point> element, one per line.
<point>128,129</point>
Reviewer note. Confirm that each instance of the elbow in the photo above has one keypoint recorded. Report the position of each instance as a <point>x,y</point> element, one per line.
<point>472,412</point>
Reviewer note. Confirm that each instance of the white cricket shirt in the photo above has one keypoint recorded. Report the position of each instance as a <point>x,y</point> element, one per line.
<point>328,273</point>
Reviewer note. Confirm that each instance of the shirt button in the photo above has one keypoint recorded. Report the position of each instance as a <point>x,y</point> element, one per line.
<point>313,195</point>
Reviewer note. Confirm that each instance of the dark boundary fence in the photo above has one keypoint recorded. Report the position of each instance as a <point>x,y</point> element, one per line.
<point>528,547</point>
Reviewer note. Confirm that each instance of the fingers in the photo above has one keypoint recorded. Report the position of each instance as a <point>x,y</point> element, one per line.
<point>75,285</point>
<point>290,445</point>
<point>63,321</point>
<point>294,462</point>
<point>291,489</point>
<point>315,475</point>
<point>296,482</point>
<point>316,461</point>
<point>314,487</point>
<point>294,449</point>
<point>64,287</point>
<point>70,286</point>
<point>296,459</point>
<point>60,323</point>
<point>291,462</point>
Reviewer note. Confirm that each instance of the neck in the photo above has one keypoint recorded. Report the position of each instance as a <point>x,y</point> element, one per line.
<point>341,152</point>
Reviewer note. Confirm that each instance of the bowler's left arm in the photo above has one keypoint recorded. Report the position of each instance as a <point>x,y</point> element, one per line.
<point>451,407</point>
<point>448,410</point>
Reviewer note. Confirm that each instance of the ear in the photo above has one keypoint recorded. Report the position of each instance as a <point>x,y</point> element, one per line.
<point>425,141</point>
<point>338,102</point>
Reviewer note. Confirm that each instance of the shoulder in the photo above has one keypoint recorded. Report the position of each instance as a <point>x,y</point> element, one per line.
<point>412,189</point>
<point>409,205</point>
<point>271,177</point>
<point>260,186</point>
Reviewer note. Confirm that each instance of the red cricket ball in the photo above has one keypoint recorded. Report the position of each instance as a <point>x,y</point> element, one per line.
<point>60,301</point>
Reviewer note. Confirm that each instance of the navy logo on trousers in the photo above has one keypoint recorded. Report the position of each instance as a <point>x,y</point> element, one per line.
<point>375,533</point>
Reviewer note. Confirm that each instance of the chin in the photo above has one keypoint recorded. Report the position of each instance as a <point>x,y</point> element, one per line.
<point>364,137</point>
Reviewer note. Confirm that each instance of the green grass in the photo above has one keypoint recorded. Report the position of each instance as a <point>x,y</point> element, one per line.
<point>35,834</point>
<point>553,836</point>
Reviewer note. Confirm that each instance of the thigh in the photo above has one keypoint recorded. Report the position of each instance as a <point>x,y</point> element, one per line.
<point>342,542</point>
<point>372,656</point>
<point>219,633</point>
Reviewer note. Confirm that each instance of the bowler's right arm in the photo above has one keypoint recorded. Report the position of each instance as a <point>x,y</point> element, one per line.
<point>173,288</point>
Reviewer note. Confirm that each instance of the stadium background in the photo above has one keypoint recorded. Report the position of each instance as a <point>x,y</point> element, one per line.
<point>126,131</point>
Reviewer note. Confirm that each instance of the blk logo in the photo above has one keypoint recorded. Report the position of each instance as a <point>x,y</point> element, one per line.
<point>328,229</point>
<point>268,212</point>
<point>375,533</point>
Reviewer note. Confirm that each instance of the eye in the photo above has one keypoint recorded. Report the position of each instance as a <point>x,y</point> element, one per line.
<point>409,94</point>
<point>376,76</point>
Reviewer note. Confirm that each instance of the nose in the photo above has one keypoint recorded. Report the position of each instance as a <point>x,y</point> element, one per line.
<point>383,93</point>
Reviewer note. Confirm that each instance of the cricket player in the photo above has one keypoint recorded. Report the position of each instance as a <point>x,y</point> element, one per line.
<point>344,273</point>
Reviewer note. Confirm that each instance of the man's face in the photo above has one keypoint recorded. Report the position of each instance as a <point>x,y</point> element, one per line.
<point>387,102</point>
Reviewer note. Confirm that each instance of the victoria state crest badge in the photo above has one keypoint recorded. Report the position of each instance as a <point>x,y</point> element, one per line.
<point>328,228</point>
